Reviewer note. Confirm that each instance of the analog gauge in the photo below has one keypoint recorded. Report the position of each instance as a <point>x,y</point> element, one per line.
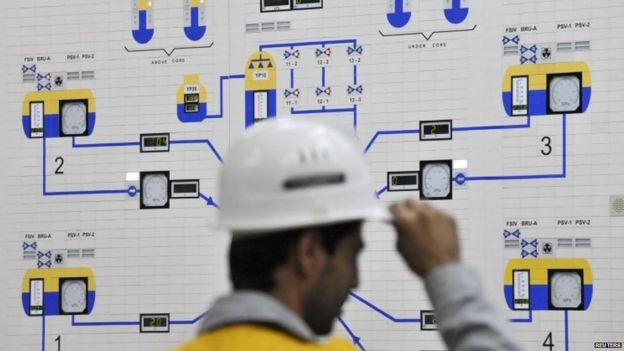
<point>73,296</point>
<point>566,290</point>
<point>564,93</point>
<point>74,118</point>
<point>436,180</point>
<point>155,190</point>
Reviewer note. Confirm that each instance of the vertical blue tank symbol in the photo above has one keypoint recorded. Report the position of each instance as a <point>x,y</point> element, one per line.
<point>142,16</point>
<point>456,14</point>
<point>398,18</point>
<point>194,13</point>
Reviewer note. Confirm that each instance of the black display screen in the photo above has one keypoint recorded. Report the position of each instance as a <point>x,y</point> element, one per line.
<point>307,1</point>
<point>191,98</point>
<point>430,319</point>
<point>155,321</point>
<point>404,180</point>
<point>268,3</point>
<point>436,129</point>
<point>191,108</point>
<point>185,188</point>
<point>155,141</point>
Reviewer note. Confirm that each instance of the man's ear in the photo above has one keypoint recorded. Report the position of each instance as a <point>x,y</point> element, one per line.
<point>309,255</point>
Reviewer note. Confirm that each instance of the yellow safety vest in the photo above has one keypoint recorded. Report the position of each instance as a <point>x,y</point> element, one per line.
<point>252,337</point>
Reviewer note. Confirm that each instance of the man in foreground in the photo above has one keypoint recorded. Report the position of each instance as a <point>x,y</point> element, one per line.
<point>294,195</point>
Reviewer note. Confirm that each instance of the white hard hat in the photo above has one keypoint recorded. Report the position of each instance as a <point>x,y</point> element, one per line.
<point>287,173</point>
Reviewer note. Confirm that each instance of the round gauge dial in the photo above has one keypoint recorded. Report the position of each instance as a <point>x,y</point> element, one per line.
<point>154,190</point>
<point>436,180</point>
<point>74,118</point>
<point>74,296</point>
<point>566,290</point>
<point>565,93</point>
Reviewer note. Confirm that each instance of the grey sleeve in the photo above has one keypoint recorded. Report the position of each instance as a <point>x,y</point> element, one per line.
<point>466,319</point>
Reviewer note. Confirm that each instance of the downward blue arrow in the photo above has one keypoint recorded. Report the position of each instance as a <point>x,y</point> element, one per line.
<point>194,31</point>
<point>354,338</point>
<point>143,34</point>
<point>399,18</point>
<point>456,14</point>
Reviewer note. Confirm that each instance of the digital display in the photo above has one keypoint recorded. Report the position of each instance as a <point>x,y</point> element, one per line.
<point>404,180</point>
<point>154,323</point>
<point>155,142</point>
<point>184,188</point>
<point>428,320</point>
<point>308,4</point>
<point>191,108</point>
<point>274,5</point>
<point>191,98</point>
<point>436,130</point>
<point>276,2</point>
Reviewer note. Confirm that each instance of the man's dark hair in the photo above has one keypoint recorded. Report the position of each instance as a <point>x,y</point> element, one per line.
<point>253,260</point>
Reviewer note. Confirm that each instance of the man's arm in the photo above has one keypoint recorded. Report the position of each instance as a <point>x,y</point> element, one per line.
<point>427,240</point>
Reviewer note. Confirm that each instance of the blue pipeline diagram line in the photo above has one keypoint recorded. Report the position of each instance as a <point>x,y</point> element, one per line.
<point>76,323</point>
<point>209,200</point>
<point>221,80</point>
<point>528,319</point>
<point>323,43</point>
<point>461,178</point>
<point>43,332</point>
<point>354,338</point>
<point>562,174</point>
<point>388,132</point>
<point>382,312</point>
<point>381,191</point>
<point>200,141</point>
<point>527,124</point>
<point>132,191</point>
<point>379,133</point>
<point>136,143</point>
<point>567,340</point>
<point>308,43</point>
<point>324,109</point>
<point>188,322</point>
<point>96,145</point>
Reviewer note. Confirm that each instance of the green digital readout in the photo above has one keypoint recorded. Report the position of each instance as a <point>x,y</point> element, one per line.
<point>155,321</point>
<point>155,141</point>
